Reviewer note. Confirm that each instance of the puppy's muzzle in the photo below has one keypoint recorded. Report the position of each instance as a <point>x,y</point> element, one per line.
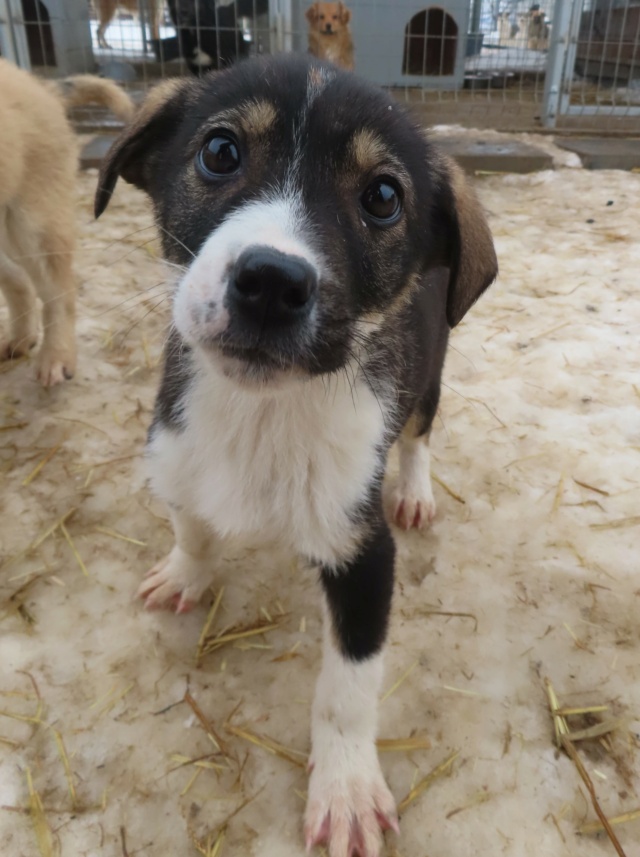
<point>269,289</point>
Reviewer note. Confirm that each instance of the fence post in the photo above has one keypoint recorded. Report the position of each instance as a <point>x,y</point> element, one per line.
<point>558,74</point>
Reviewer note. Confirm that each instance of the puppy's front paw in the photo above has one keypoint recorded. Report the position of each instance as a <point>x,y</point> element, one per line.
<point>20,347</point>
<point>414,505</point>
<point>55,365</point>
<point>176,582</point>
<point>349,807</point>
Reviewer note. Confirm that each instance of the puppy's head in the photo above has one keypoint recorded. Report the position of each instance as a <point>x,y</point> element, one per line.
<point>305,206</point>
<point>328,18</point>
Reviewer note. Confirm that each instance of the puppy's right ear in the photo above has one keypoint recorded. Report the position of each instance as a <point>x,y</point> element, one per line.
<point>344,13</point>
<point>312,13</point>
<point>131,155</point>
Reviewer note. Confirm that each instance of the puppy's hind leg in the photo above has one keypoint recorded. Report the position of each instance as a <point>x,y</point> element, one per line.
<point>413,503</point>
<point>57,357</point>
<point>106,11</point>
<point>179,580</point>
<point>20,294</point>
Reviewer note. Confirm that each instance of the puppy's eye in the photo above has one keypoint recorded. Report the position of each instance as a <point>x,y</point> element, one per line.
<point>381,200</point>
<point>219,156</point>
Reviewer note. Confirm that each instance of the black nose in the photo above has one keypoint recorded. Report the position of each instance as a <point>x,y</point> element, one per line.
<point>272,288</point>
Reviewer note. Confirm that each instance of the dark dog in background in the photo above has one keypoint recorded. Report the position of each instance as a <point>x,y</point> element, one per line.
<point>210,35</point>
<point>327,250</point>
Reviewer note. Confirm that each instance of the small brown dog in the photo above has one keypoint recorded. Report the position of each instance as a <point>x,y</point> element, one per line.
<point>107,9</point>
<point>329,33</point>
<point>38,163</point>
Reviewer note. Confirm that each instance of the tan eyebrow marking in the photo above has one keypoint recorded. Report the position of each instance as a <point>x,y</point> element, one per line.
<point>370,152</point>
<point>368,149</point>
<point>255,117</point>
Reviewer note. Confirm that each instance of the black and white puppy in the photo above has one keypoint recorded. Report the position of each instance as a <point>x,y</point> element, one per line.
<point>327,250</point>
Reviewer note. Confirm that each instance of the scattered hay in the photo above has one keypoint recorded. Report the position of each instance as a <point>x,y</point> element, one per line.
<point>116,535</point>
<point>596,731</point>
<point>481,797</point>
<point>10,426</point>
<point>40,539</point>
<point>403,745</point>
<point>288,656</point>
<point>111,700</point>
<point>564,740</point>
<point>210,642</point>
<point>74,550</point>
<point>579,643</point>
<point>589,709</point>
<point>67,767</point>
<point>211,845</point>
<point>598,827</point>
<point>558,496</point>
<point>294,756</point>
<point>591,487</point>
<point>405,675</point>
<point>235,633</point>
<point>206,724</point>
<point>204,762</point>
<point>425,783</point>
<point>620,523</point>
<point>461,690</point>
<point>44,835</point>
<point>453,613</point>
<point>36,470</point>
<point>449,490</point>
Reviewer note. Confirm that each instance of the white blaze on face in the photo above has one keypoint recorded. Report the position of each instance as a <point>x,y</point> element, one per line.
<point>198,309</point>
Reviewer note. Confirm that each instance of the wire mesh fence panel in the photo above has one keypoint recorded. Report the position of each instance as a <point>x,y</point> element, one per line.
<point>504,64</point>
<point>594,80</point>
<point>472,62</point>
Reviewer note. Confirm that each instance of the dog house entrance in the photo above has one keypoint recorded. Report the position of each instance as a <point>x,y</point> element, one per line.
<point>430,43</point>
<point>39,35</point>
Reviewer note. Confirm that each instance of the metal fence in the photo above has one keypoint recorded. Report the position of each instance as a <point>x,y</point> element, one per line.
<point>509,64</point>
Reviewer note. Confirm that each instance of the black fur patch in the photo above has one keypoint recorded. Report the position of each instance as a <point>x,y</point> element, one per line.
<point>359,593</point>
<point>174,387</point>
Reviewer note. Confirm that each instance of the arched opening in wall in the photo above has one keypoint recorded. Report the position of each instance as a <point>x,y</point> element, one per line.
<point>39,35</point>
<point>430,43</point>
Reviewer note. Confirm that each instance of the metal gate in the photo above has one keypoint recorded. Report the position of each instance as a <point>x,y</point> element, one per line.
<point>594,63</point>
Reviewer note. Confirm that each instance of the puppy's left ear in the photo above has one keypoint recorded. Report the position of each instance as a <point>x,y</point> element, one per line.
<point>135,152</point>
<point>312,13</point>
<point>471,256</point>
<point>344,13</point>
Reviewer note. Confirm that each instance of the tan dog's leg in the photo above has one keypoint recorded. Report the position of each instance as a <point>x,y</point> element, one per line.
<point>107,9</point>
<point>57,357</point>
<point>20,294</point>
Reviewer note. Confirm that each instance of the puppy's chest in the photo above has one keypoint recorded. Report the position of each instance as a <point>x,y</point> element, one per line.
<point>291,467</point>
<point>334,49</point>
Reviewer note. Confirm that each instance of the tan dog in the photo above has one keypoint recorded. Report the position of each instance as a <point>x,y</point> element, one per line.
<point>107,9</point>
<point>329,33</point>
<point>38,163</point>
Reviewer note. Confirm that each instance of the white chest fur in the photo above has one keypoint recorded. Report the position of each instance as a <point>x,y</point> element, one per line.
<point>287,466</point>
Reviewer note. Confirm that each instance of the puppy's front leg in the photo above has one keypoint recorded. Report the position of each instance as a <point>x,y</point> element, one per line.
<point>182,576</point>
<point>349,804</point>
